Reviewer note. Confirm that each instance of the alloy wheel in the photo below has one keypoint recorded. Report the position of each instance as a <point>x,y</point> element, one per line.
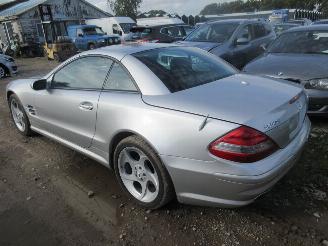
<point>138,174</point>
<point>17,115</point>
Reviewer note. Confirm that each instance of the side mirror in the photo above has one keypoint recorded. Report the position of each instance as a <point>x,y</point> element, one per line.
<point>40,84</point>
<point>242,41</point>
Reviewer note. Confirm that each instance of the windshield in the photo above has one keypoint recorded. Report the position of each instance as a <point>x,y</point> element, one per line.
<point>126,27</point>
<point>215,32</point>
<point>93,31</point>
<point>188,29</point>
<point>180,68</point>
<point>303,42</point>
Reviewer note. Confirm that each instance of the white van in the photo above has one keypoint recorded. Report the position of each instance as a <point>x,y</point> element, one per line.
<point>114,25</point>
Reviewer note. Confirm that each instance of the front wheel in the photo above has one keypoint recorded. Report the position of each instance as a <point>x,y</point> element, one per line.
<point>141,173</point>
<point>19,116</point>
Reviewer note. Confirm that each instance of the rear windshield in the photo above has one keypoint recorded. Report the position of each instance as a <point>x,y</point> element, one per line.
<point>303,42</point>
<point>215,32</point>
<point>181,68</point>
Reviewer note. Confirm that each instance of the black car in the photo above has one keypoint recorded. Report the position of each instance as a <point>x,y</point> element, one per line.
<point>160,33</point>
<point>299,55</point>
<point>236,41</point>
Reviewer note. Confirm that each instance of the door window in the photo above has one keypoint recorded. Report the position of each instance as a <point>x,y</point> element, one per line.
<point>245,32</point>
<point>119,79</point>
<point>259,31</point>
<point>84,73</point>
<point>79,32</point>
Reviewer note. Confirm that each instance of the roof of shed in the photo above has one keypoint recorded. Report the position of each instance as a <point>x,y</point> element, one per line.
<point>21,8</point>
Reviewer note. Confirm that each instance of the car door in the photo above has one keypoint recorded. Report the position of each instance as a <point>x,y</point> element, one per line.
<point>240,53</point>
<point>68,109</point>
<point>79,39</point>
<point>118,102</point>
<point>260,39</point>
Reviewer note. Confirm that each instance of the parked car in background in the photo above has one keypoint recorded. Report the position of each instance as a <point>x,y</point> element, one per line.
<point>159,34</point>
<point>125,105</point>
<point>301,22</point>
<point>280,28</point>
<point>8,66</point>
<point>320,22</point>
<point>156,21</point>
<point>88,37</point>
<point>119,25</point>
<point>300,56</point>
<point>236,41</point>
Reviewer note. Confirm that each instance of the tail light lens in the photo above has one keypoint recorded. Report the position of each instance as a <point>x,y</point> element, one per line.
<point>244,145</point>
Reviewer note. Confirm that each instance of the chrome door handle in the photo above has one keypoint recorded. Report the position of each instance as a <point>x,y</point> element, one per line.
<point>86,106</point>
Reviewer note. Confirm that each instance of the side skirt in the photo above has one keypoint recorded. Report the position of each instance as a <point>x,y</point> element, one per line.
<point>73,146</point>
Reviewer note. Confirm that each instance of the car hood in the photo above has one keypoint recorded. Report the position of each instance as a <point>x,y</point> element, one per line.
<point>290,66</point>
<point>258,102</point>
<point>202,45</point>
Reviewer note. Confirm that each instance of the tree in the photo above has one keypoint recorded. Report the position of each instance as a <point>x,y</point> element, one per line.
<point>125,7</point>
<point>255,5</point>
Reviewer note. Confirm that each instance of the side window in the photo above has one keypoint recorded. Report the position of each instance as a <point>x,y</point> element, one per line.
<point>245,32</point>
<point>268,29</point>
<point>119,79</point>
<point>259,31</point>
<point>115,29</point>
<point>84,73</point>
<point>79,33</point>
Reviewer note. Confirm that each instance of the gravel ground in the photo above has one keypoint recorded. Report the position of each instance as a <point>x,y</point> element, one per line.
<point>51,195</point>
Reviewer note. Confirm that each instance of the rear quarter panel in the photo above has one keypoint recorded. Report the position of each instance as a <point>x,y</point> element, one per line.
<point>169,132</point>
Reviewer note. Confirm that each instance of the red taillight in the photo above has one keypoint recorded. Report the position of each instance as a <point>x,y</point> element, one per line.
<point>244,145</point>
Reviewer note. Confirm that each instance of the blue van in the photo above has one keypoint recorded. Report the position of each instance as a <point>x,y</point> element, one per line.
<point>87,37</point>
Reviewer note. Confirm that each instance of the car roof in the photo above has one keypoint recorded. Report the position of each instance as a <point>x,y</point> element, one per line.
<point>121,50</point>
<point>309,28</point>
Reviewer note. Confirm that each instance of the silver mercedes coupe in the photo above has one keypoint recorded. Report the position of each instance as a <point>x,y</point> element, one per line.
<point>171,121</point>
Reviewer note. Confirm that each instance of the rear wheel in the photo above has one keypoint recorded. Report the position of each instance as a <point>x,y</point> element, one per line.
<point>92,46</point>
<point>141,173</point>
<point>56,57</point>
<point>2,72</point>
<point>19,116</point>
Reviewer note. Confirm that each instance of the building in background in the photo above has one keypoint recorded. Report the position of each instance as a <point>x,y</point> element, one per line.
<point>26,21</point>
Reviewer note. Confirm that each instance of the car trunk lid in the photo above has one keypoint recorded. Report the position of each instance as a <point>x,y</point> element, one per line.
<point>273,107</point>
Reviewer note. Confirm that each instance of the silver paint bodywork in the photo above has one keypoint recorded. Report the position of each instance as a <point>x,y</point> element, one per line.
<point>170,123</point>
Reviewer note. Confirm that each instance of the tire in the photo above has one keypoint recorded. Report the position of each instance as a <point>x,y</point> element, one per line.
<point>57,57</point>
<point>21,122</point>
<point>91,47</point>
<point>153,176</point>
<point>3,72</point>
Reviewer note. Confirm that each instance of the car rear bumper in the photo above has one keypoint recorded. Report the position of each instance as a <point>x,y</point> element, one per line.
<point>199,182</point>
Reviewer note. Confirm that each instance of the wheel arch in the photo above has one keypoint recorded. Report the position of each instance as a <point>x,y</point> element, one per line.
<point>119,136</point>
<point>5,68</point>
<point>9,93</point>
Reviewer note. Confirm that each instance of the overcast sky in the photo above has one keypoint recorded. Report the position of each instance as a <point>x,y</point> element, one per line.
<point>181,7</point>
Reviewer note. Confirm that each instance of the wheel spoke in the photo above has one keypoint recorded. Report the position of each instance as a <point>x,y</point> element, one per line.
<point>143,189</point>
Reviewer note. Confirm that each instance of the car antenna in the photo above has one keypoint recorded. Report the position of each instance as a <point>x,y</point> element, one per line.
<point>201,127</point>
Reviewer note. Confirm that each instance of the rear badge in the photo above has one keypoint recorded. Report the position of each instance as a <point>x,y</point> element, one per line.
<point>271,125</point>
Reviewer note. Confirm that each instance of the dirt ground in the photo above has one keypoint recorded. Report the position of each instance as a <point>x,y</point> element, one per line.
<point>44,198</point>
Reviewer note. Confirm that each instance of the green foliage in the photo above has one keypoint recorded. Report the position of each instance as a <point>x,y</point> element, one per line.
<point>125,7</point>
<point>256,5</point>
